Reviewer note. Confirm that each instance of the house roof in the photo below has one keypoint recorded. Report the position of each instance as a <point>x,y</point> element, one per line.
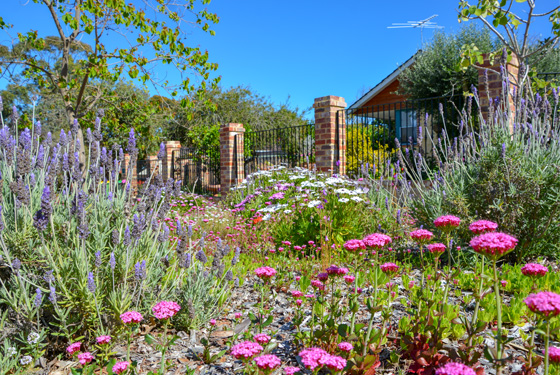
<point>384,83</point>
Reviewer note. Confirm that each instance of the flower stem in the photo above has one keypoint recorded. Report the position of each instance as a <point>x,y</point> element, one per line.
<point>499,320</point>
<point>164,348</point>
<point>546,345</point>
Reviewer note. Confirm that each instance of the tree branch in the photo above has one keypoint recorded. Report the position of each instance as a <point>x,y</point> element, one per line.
<point>55,19</point>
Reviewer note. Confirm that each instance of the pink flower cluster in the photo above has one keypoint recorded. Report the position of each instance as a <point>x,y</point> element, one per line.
<point>84,358</point>
<point>74,347</point>
<point>377,240</point>
<point>268,362</point>
<point>290,370</point>
<point>262,338</point>
<point>554,354</point>
<point>493,245</point>
<point>333,362</point>
<point>483,226</point>
<point>389,267</point>
<point>246,349</point>
<point>120,367</point>
<point>349,279</point>
<point>447,222</point>
<point>353,245</point>
<point>534,269</point>
<point>436,248</point>
<point>103,340</point>
<point>131,317</point>
<point>337,271</point>
<point>544,303</point>
<point>165,309</point>
<point>345,346</point>
<point>317,284</point>
<point>421,235</point>
<point>454,368</point>
<point>296,293</point>
<point>265,273</point>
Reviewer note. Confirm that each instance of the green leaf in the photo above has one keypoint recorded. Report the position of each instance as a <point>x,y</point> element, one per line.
<point>342,330</point>
<point>149,339</point>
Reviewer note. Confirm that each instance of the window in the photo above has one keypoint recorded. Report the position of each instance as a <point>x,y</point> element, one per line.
<point>407,123</point>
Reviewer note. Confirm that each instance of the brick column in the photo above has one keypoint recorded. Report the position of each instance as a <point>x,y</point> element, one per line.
<point>495,87</point>
<point>167,162</point>
<point>232,170</point>
<point>326,109</point>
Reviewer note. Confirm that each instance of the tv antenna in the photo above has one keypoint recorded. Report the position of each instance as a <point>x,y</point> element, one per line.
<point>423,24</point>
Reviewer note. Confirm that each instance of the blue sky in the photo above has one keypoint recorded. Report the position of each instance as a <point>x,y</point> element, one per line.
<point>302,49</point>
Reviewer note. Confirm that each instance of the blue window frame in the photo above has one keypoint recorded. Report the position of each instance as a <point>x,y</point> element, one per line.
<point>406,125</point>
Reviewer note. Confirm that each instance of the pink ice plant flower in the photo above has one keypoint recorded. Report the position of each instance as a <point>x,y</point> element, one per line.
<point>333,362</point>
<point>336,271</point>
<point>290,370</point>
<point>296,293</point>
<point>103,339</point>
<point>454,368</point>
<point>131,317</point>
<point>534,269</point>
<point>84,358</point>
<point>493,245</point>
<point>310,357</point>
<point>265,273</point>
<point>436,248</point>
<point>544,303</point>
<point>377,240</point>
<point>120,367</point>
<point>345,346</point>
<point>246,350</point>
<point>165,309</point>
<point>268,362</point>
<point>447,222</point>
<point>349,279</point>
<point>421,235</point>
<point>353,245</point>
<point>483,226</point>
<point>554,354</point>
<point>389,267</point>
<point>262,338</point>
<point>74,347</point>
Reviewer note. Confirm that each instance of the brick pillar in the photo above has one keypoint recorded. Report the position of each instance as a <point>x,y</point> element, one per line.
<point>232,170</point>
<point>495,88</point>
<point>326,108</point>
<point>167,162</point>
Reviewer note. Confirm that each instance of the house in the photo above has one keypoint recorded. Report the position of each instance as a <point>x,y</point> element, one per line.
<point>384,105</point>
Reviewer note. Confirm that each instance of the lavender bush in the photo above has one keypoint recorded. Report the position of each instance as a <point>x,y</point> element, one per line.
<point>507,171</point>
<point>78,247</point>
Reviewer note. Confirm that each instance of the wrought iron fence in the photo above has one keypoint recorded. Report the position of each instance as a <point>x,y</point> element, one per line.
<point>374,133</point>
<point>551,77</point>
<point>198,169</point>
<point>145,169</point>
<point>290,146</point>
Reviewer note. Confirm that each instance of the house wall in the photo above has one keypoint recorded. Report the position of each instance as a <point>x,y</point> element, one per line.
<point>387,95</point>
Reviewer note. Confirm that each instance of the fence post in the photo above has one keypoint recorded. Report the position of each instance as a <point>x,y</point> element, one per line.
<point>231,156</point>
<point>167,162</point>
<point>330,136</point>
<point>491,87</point>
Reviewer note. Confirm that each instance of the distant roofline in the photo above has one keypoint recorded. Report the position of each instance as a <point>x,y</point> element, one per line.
<point>384,83</point>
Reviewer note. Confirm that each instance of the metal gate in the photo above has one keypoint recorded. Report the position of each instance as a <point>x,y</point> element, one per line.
<point>199,170</point>
<point>265,149</point>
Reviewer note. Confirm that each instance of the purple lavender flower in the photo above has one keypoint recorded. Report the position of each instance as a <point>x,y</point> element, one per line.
<point>62,138</point>
<point>46,201</point>
<point>229,275</point>
<point>189,231</point>
<point>112,261</point>
<point>164,234</point>
<point>115,237</point>
<point>91,283</point>
<point>89,136</point>
<point>140,271</point>
<point>40,160</point>
<point>503,150</point>
<point>16,264</point>
<point>126,238</point>
<point>188,259</point>
<point>98,259</point>
<point>200,256</point>
<point>38,297</point>
<point>52,294</point>
<point>131,142</point>
<point>161,153</point>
